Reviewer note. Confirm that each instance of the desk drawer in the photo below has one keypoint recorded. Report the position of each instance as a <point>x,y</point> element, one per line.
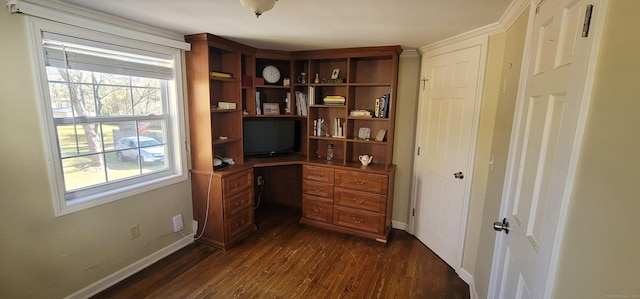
<point>238,203</point>
<point>360,200</point>
<point>237,182</point>
<point>318,174</point>
<point>317,189</point>
<point>362,220</point>
<point>238,224</point>
<point>362,181</point>
<point>317,209</point>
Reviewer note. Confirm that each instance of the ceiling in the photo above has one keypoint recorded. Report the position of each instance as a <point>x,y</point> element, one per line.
<point>294,25</point>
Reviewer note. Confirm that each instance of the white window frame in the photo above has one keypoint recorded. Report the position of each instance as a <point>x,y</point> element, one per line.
<point>174,130</point>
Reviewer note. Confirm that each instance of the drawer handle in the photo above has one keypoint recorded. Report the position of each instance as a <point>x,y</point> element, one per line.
<point>317,189</point>
<point>316,210</point>
<point>359,182</point>
<point>320,174</point>
<point>358,220</point>
<point>361,201</point>
<point>239,203</point>
<point>239,223</point>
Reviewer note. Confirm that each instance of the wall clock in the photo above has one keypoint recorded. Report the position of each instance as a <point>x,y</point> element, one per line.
<point>271,74</point>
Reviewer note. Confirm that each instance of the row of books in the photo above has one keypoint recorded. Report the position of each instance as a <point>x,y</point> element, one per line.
<point>382,106</point>
<point>302,103</point>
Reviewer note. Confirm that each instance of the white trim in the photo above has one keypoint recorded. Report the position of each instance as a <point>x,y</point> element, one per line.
<point>399,225</point>
<point>508,18</point>
<point>127,271</point>
<point>515,9</point>
<point>482,42</point>
<point>410,53</point>
<point>175,126</point>
<point>496,264</point>
<point>468,278</point>
<point>65,17</point>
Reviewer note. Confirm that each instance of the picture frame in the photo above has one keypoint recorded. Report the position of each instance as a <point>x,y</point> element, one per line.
<point>271,108</point>
<point>364,133</point>
<point>335,73</point>
<point>381,134</point>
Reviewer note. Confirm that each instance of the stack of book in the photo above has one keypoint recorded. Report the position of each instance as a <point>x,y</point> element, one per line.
<point>360,113</point>
<point>216,74</point>
<point>382,106</point>
<point>334,100</point>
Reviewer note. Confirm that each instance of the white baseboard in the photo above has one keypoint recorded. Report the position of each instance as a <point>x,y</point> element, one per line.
<point>399,225</point>
<point>127,271</point>
<point>468,278</point>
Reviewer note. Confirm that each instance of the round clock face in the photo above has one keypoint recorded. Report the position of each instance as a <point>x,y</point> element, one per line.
<point>271,74</point>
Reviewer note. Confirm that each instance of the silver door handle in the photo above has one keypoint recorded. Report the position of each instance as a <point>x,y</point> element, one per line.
<point>502,226</point>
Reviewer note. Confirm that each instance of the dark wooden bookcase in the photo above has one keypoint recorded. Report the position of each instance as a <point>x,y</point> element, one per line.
<point>365,74</point>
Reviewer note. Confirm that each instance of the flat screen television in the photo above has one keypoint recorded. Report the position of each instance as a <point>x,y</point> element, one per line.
<point>269,136</point>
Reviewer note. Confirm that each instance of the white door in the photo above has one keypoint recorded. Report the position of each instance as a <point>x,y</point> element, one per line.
<point>544,147</point>
<point>446,124</point>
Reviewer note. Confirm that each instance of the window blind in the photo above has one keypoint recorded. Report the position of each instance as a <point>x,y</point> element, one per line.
<point>79,54</point>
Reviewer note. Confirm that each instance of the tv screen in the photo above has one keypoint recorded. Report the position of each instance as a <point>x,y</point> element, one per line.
<point>269,136</point>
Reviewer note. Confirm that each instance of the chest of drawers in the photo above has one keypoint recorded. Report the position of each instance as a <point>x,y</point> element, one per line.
<point>352,201</point>
<point>227,217</point>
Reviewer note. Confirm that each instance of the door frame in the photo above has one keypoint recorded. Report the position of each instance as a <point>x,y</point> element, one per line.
<point>482,41</point>
<point>599,13</point>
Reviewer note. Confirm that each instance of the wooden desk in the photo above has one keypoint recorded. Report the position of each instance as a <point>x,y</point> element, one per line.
<point>350,198</point>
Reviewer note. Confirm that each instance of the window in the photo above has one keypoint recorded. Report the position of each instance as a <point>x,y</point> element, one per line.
<point>112,112</point>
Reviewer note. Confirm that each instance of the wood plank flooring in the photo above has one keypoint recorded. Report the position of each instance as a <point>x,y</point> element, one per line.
<point>284,259</point>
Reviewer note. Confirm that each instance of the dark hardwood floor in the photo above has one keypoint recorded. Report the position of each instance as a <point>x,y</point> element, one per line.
<point>284,259</point>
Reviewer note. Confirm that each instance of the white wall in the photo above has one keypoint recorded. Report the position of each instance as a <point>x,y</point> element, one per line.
<point>43,256</point>
<point>405,128</point>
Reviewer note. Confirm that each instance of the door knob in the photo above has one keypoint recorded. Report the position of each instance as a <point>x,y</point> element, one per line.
<point>502,226</point>
<point>458,175</point>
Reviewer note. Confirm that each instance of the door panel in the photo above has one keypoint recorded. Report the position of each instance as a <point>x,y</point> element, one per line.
<point>446,126</point>
<point>545,141</point>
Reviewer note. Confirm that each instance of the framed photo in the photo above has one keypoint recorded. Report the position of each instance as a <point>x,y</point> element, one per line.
<point>380,135</point>
<point>271,108</point>
<point>335,74</point>
<point>364,133</point>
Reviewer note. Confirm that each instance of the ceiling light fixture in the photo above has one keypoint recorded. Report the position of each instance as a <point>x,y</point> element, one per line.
<point>258,7</point>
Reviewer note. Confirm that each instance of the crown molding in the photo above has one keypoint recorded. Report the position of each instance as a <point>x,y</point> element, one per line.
<point>53,9</point>
<point>410,53</point>
<point>515,9</point>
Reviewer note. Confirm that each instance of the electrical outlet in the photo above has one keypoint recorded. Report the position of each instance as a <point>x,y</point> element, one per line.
<point>135,231</point>
<point>260,181</point>
<point>177,223</point>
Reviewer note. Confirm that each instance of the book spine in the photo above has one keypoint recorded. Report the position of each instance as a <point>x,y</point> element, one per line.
<point>383,110</point>
<point>258,108</point>
<point>315,127</point>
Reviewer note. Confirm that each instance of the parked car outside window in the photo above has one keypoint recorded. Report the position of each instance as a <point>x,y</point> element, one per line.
<point>149,149</point>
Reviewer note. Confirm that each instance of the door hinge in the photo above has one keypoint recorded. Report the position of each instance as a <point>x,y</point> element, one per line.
<point>587,21</point>
<point>418,151</point>
<point>413,214</point>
